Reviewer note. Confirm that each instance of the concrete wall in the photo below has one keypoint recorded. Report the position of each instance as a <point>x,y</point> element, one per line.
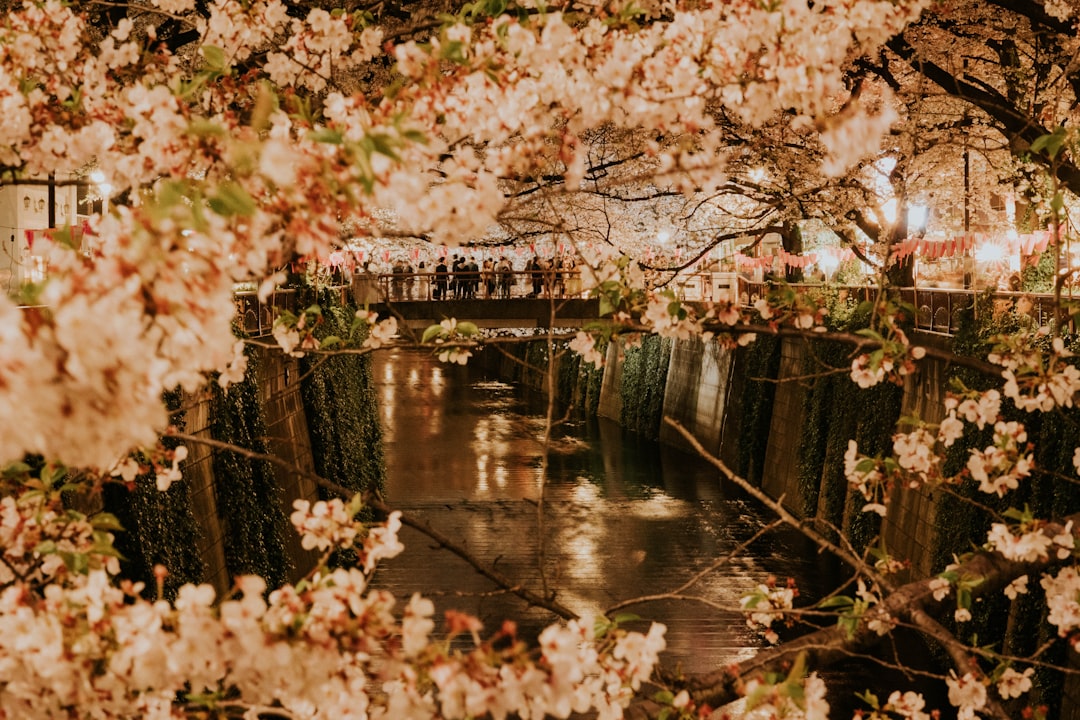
<point>288,439</point>
<point>610,393</point>
<point>704,390</point>
<point>780,478</point>
<point>696,395</point>
<point>287,431</point>
<point>199,475</point>
<point>909,531</point>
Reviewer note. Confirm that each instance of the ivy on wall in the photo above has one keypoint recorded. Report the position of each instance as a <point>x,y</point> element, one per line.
<point>836,411</point>
<point>815,445</point>
<point>159,527</point>
<point>762,362</point>
<point>1039,276</point>
<point>578,382</point>
<point>644,377</point>
<point>248,497</point>
<point>338,392</point>
<point>1017,627</point>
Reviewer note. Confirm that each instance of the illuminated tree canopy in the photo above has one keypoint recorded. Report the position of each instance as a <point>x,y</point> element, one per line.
<point>239,137</point>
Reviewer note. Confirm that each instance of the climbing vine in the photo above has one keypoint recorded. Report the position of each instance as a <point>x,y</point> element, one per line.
<point>1015,627</point>
<point>644,377</point>
<point>159,527</point>
<point>761,364</point>
<point>342,412</point>
<point>248,496</point>
<point>835,411</point>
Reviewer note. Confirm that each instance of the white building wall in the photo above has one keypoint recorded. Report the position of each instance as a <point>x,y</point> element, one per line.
<point>25,208</point>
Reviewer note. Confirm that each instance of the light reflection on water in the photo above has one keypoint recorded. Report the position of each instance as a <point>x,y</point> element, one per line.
<point>623,517</point>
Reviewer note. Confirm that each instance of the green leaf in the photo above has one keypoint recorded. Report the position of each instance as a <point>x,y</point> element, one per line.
<point>432,332</point>
<point>214,57</point>
<point>759,693</point>
<point>752,601</point>
<point>1050,144</point>
<point>415,136</point>
<point>50,474</point>
<point>625,618</point>
<point>870,699</point>
<point>383,144</point>
<point>836,601</point>
<point>798,671</point>
<point>327,135</point>
<point>203,128</point>
<point>869,333</point>
<point>467,328</point>
<point>664,697</point>
<point>16,469</point>
<point>231,199</point>
<point>794,690</point>
<point>105,521</point>
<point>190,88</point>
<point>865,465</point>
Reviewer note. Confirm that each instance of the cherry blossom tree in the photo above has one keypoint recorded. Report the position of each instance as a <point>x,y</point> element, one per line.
<point>239,137</point>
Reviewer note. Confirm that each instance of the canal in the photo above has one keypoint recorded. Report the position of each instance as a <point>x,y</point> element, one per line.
<point>622,517</point>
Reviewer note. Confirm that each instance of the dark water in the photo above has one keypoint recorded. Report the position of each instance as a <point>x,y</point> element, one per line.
<point>621,518</point>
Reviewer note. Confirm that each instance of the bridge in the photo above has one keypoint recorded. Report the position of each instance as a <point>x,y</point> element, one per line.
<point>411,298</point>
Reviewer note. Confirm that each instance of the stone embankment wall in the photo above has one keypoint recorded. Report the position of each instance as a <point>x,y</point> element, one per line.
<point>229,515</point>
<point>777,417</point>
<point>287,437</point>
<point>717,395</point>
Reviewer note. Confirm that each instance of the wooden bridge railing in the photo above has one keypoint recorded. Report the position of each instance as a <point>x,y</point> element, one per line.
<point>937,309</point>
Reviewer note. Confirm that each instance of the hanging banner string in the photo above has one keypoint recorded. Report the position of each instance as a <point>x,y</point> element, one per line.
<point>934,249</point>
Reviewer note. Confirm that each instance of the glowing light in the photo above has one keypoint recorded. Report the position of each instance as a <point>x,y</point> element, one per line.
<point>97,177</point>
<point>828,263</point>
<point>917,215</point>
<point>989,252</point>
<point>663,236</point>
<point>758,175</point>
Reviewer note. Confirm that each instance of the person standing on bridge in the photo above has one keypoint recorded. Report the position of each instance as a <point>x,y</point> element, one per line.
<point>536,270</point>
<point>441,279</point>
<point>457,282</point>
<point>487,278</point>
<point>505,277</point>
<point>472,281</point>
<point>424,281</point>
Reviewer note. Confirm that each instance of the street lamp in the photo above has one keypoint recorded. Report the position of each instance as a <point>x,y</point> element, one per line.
<point>104,189</point>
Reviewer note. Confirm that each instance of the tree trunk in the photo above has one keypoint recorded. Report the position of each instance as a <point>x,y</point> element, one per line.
<point>791,237</point>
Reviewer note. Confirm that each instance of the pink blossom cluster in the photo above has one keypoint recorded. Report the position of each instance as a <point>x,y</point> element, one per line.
<point>225,196</point>
<point>328,647</point>
<point>1027,542</point>
<point>39,539</point>
<point>766,604</point>
<point>584,345</point>
<point>999,467</point>
<point>1036,380</point>
<point>805,701</point>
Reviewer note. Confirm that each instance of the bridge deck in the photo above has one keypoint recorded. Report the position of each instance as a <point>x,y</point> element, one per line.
<point>506,313</point>
<point>938,310</point>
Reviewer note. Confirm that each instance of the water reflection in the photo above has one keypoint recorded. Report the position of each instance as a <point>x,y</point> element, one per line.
<point>622,517</point>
